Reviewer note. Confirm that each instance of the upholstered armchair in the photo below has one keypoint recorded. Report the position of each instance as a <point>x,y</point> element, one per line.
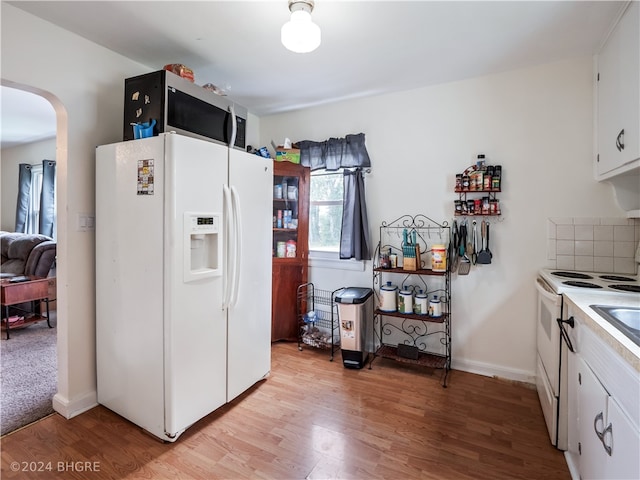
<point>26,254</point>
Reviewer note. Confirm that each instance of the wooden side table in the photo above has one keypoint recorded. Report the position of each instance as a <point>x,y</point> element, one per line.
<point>30,289</point>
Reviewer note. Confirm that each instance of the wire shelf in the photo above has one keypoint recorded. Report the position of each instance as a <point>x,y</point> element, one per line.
<point>317,314</point>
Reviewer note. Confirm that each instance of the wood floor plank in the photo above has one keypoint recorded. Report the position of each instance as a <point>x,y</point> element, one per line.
<point>314,419</point>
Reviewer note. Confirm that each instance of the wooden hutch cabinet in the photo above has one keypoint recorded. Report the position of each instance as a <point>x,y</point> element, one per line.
<point>290,245</point>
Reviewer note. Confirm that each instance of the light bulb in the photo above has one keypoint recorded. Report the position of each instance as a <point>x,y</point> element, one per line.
<point>300,34</point>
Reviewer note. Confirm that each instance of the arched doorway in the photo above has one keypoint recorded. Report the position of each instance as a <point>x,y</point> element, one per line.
<point>41,112</point>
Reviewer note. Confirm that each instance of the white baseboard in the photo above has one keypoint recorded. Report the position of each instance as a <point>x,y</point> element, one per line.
<point>70,408</point>
<point>490,370</point>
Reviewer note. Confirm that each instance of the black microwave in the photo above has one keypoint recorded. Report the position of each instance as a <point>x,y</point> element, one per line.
<point>178,105</point>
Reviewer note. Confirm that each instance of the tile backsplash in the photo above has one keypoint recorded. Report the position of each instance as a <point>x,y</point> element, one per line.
<point>593,244</point>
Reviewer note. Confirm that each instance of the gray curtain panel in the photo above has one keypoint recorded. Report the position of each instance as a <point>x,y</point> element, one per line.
<point>354,237</point>
<point>24,191</point>
<point>47,198</point>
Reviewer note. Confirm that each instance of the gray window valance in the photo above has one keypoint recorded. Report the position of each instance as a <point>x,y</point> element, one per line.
<point>335,153</point>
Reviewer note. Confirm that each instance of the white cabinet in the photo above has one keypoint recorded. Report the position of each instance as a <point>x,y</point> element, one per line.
<point>618,97</point>
<point>604,435</point>
<point>609,443</point>
<point>624,441</point>
<point>592,414</point>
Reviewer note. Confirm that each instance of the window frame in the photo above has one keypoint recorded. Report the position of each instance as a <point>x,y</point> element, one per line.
<point>324,258</point>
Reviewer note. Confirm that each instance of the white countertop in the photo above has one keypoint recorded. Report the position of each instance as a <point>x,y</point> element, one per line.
<point>610,334</point>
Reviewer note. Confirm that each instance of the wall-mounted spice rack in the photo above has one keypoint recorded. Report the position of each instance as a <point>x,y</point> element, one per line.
<point>477,188</point>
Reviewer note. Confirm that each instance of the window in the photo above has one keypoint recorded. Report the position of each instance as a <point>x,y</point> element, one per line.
<point>325,211</point>
<point>33,216</point>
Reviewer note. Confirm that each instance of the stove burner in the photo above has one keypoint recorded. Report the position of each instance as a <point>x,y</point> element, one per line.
<point>581,276</point>
<point>616,278</point>
<point>581,284</point>
<point>626,288</point>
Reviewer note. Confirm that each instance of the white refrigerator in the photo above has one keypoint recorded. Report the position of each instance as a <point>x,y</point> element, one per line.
<point>183,278</point>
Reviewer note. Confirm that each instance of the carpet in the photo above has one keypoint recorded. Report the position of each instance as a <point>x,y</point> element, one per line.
<point>28,375</point>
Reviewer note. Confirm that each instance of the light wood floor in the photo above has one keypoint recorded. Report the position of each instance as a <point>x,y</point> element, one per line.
<point>314,419</point>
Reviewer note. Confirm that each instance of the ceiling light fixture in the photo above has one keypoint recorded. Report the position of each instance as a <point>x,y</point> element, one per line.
<point>300,34</point>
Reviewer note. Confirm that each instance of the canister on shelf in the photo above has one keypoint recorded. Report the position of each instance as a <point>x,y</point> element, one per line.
<point>405,301</point>
<point>281,249</point>
<point>421,306</point>
<point>388,300</point>
<point>435,307</point>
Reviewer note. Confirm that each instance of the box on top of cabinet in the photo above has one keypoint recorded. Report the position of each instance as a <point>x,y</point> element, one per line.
<point>288,155</point>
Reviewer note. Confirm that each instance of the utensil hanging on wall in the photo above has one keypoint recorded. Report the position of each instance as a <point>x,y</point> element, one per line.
<point>484,256</point>
<point>465,263</point>
<point>454,250</point>
<point>474,242</point>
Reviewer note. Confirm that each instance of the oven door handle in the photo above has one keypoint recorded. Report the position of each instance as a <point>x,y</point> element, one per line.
<point>563,332</point>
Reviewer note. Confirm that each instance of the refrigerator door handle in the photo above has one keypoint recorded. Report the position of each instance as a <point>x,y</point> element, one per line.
<point>238,243</point>
<point>234,126</point>
<point>228,268</point>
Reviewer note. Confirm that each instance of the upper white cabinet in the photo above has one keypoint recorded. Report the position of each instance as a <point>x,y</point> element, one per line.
<point>618,98</point>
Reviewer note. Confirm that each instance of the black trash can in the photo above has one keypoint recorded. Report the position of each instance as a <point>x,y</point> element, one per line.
<point>355,312</point>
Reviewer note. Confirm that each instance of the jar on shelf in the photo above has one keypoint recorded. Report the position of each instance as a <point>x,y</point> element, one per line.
<point>435,307</point>
<point>421,306</point>
<point>385,260</point>
<point>388,300</point>
<point>405,301</point>
<point>438,258</point>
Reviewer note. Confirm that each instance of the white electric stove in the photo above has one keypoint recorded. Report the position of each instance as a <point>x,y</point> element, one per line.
<point>561,281</point>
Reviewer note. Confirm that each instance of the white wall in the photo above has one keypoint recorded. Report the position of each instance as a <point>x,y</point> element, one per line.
<point>84,83</point>
<point>535,122</point>
<point>32,153</point>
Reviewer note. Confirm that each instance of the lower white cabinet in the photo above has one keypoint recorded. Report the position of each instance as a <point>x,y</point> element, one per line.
<point>592,412</point>
<point>608,443</point>
<point>604,438</point>
<point>624,441</point>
